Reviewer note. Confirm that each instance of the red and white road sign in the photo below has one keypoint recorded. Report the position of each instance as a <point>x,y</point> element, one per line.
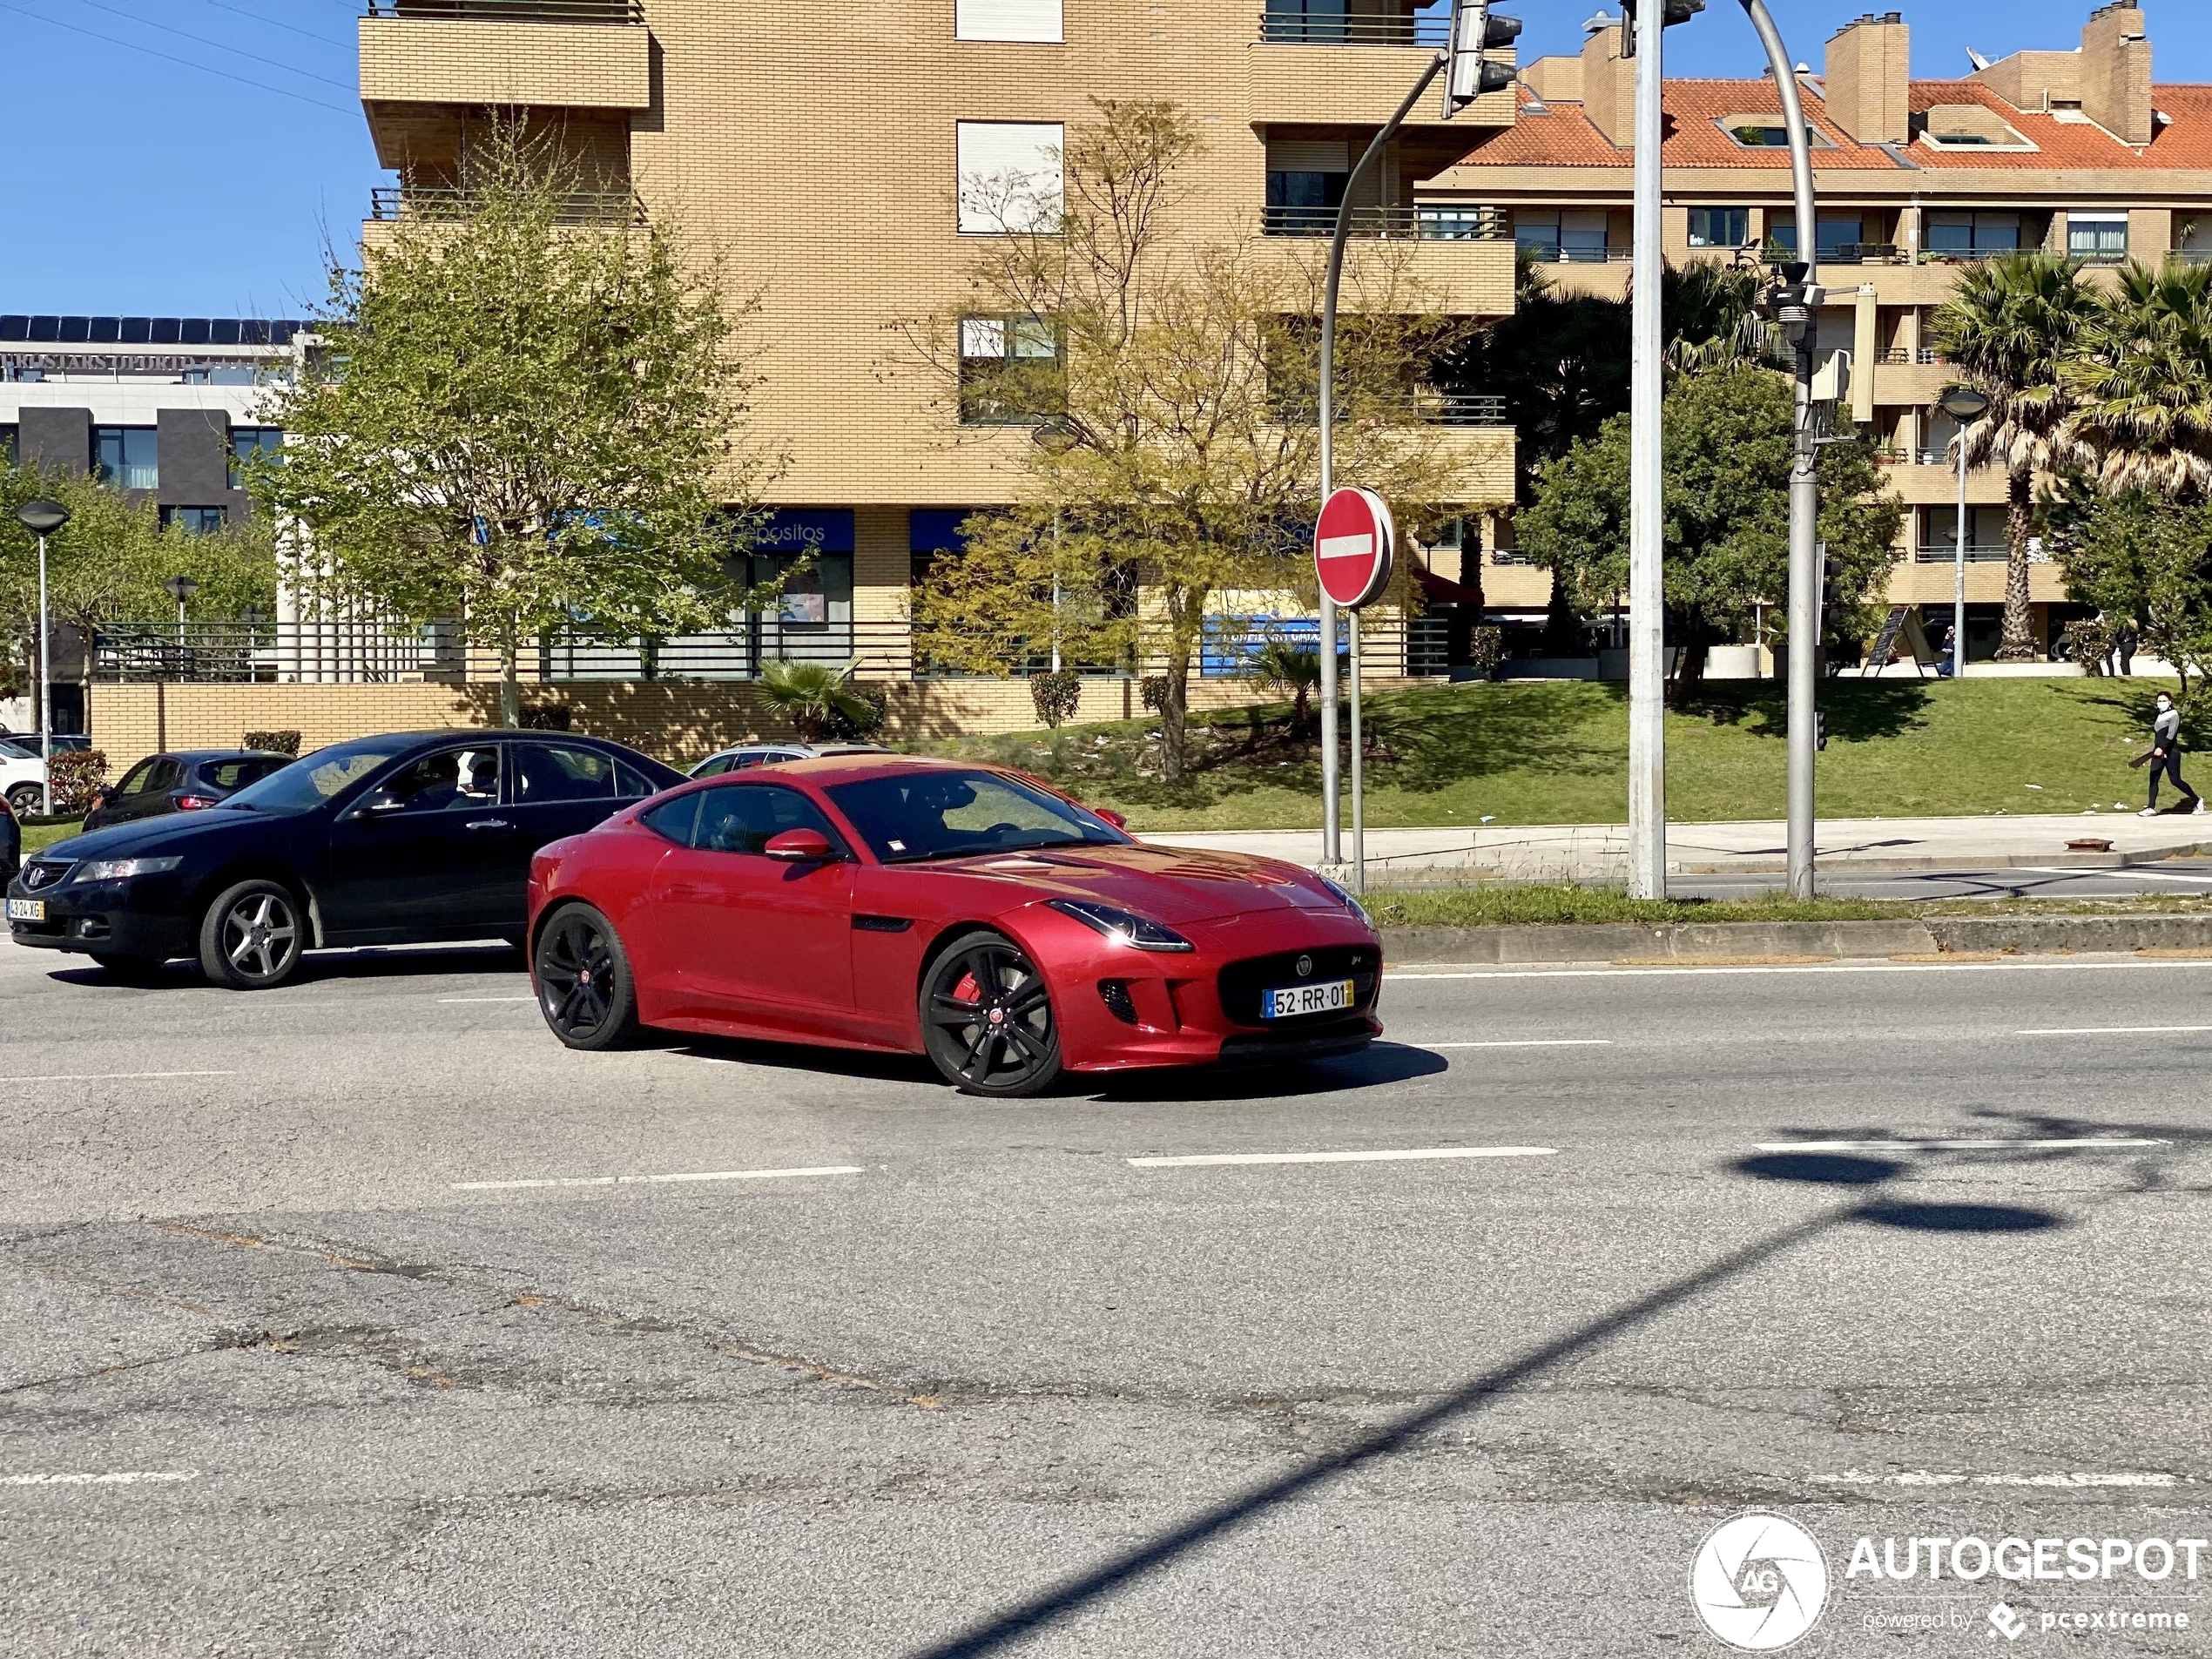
<point>1355,546</point>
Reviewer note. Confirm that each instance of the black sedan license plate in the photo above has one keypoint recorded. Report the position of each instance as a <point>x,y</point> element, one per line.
<point>26,910</point>
<point>1330,997</point>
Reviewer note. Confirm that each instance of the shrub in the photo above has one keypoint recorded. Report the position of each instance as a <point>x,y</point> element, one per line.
<point>549,716</point>
<point>1486,650</point>
<point>77,776</point>
<point>275,743</point>
<point>1155,691</point>
<point>851,725</point>
<point>1057,695</point>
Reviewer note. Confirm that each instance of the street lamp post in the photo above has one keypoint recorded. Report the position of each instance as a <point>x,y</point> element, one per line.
<point>41,518</point>
<point>1962,404</point>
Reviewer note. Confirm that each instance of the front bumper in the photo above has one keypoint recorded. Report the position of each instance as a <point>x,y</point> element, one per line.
<point>103,917</point>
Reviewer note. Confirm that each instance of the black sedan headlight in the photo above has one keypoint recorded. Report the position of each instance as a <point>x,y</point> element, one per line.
<point>1121,926</point>
<point>1343,896</point>
<point>123,869</point>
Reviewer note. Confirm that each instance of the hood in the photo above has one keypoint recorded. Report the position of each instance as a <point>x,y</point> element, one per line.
<point>152,837</point>
<point>1167,884</point>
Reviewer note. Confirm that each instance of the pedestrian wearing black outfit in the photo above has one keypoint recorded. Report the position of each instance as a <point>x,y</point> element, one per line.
<point>2166,757</point>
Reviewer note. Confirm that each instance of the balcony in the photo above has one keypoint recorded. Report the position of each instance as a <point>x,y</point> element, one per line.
<point>542,54</point>
<point>1947,553</point>
<point>1352,71</point>
<point>1305,29</point>
<point>1454,261</point>
<point>390,204</point>
<point>1412,224</point>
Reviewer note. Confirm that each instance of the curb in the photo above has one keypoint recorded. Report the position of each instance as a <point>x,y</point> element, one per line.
<point>1738,941</point>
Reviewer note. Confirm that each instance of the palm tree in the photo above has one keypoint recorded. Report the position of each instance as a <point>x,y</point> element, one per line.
<point>2141,382</point>
<point>1295,670</point>
<point>814,697</point>
<point>2007,329</point>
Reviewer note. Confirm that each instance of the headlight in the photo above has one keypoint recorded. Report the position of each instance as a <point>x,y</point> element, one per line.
<point>1350,903</point>
<point>1121,926</point>
<point>124,869</point>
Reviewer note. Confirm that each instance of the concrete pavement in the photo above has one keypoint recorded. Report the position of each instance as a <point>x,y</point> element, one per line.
<point>307,1348</point>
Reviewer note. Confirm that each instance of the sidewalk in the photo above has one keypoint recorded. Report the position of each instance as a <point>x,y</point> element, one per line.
<point>1598,852</point>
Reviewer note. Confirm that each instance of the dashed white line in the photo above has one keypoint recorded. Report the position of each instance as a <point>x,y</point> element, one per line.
<point>2106,1031</point>
<point>111,1076</point>
<point>487,999</point>
<point>1525,1042</point>
<point>1208,1158</point>
<point>1949,1146</point>
<point>118,1478</point>
<point>2067,1479</point>
<point>629,1180</point>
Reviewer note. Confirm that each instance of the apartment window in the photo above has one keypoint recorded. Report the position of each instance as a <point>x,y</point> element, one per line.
<point>1302,202</point>
<point>1305,20</point>
<point>2100,237</point>
<point>1720,227</point>
<point>1572,238</point>
<point>1973,233</point>
<point>1836,235</point>
<point>194,521</point>
<point>1011,371</point>
<point>1766,133</point>
<point>1008,20</point>
<point>126,456</point>
<point>1009,176</point>
<point>248,442</point>
<point>1987,534</point>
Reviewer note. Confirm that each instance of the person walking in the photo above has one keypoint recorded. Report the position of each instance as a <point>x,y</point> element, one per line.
<point>2123,648</point>
<point>1948,664</point>
<point>2166,757</point>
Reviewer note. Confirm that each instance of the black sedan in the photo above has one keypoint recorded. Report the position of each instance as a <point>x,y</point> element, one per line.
<point>188,781</point>
<point>403,839</point>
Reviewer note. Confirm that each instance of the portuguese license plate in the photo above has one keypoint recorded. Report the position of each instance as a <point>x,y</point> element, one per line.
<point>1327,997</point>
<point>26,910</point>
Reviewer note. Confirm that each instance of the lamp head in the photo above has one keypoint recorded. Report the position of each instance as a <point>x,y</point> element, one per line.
<point>41,516</point>
<point>181,587</point>
<point>1963,403</point>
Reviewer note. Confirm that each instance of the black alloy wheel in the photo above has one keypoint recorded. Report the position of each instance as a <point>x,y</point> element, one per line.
<point>584,984</point>
<point>987,1018</point>
<point>252,936</point>
<point>27,800</point>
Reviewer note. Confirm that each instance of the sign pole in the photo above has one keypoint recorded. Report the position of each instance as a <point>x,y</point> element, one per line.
<point>1359,794</point>
<point>1647,485</point>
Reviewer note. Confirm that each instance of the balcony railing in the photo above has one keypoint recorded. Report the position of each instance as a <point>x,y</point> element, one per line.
<point>1908,357</point>
<point>1464,408</point>
<point>1555,253</point>
<point>1947,553</point>
<point>1841,254</point>
<point>1308,29</point>
<point>1890,454</point>
<point>389,203</point>
<point>356,651</point>
<point>614,11</point>
<point>1424,224</point>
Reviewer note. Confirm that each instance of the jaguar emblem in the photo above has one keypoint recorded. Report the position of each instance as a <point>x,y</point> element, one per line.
<point>1306,967</point>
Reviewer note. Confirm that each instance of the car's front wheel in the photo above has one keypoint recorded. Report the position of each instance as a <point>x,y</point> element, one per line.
<point>27,800</point>
<point>252,936</point>
<point>585,988</point>
<point>987,1018</point>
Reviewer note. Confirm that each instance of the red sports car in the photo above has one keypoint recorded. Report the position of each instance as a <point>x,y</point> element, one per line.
<point>962,912</point>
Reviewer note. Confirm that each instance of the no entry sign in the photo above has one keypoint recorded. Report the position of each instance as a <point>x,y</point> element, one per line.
<point>1354,545</point>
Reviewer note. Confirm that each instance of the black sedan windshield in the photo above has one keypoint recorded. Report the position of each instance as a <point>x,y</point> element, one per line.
<point>914,815</point>
<point>307,784</point>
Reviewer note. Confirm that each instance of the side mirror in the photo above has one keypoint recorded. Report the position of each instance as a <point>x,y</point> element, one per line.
<point>1110,816</point>
<point>798,847</point>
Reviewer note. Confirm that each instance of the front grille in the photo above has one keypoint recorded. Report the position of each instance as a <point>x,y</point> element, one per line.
<point>1113,993</point>
<point>1242,983</point>
<point>40,874</point>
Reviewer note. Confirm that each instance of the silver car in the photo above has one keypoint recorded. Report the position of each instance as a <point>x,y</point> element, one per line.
<point>768,754</point>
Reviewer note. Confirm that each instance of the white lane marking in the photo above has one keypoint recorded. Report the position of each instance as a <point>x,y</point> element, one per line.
<point>1800,968</point>
<point>1945,1146</point>
<point>1523,1042</point>
<point>120,1477</point>
<point>2124,873</point>
<point>1931,1478</point>
<point>487,999</point>
<point>2106,1030</point>
<point>111,1076</point>
<point>1345,1157</point>
<point>628,1180</point>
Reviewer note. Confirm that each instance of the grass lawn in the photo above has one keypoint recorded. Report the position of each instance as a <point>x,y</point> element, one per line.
<point>1557,753</point>
<point>38,835</point>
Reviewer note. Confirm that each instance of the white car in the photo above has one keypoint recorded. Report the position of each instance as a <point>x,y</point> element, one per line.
<point>22,781</point>
<point>746,756</point>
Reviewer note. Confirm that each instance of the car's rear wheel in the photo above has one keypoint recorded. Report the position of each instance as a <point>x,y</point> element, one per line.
<point>585,988</point>
<point>131,970</point>
<point>26,799</point>
<point>987,1018</point>
<point>252,936</point>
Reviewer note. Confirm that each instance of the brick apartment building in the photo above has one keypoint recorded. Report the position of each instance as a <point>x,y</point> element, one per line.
<point>2078,151</point>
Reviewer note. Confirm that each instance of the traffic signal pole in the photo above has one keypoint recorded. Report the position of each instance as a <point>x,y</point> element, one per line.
<point>1647,483</point>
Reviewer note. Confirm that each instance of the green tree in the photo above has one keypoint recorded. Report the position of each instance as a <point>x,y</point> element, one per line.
<point>1173,390</point>
<point>1727,455</point>
<point>521,421</point>
<point>2138,556</point>
<point>2009,327</point>
<point>819,699</point>
<point>2140,379</point>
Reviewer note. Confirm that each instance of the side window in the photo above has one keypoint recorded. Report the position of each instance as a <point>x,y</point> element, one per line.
<point>631,783</point>
<point>742,817</point>
<point>452,780</point>
<point>554,772</point>
<point>675,818</point>
<point>134,781</point>
<point>713,768</point>
<point>167,775</point>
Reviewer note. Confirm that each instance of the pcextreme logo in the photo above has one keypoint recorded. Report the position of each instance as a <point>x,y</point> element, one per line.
<point>1758,1582</point>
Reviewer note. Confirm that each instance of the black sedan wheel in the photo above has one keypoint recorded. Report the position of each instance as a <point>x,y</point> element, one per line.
<point>252,936</point>
<point>584,984</point>
<point>987,1018</point>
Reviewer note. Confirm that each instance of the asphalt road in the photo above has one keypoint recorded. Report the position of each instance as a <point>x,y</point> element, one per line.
<point>354,1318</point>
<point>2167,878</point>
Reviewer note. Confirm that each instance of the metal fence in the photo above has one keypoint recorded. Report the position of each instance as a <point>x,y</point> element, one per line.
<point>1342,29</point>
<point>1414,223</point>
<point>350,651</point>
<point>390,203</point>
<point>603,12</point>
<point>1947,553</point>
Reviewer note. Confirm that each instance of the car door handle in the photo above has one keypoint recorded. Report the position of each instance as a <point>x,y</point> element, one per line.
<point>489,823</point>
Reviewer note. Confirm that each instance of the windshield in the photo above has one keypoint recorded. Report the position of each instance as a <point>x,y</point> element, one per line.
<point>914,815</point>
<point>306,784</point>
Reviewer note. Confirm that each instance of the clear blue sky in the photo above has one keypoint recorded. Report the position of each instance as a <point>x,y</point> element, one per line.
<point>152,184</point>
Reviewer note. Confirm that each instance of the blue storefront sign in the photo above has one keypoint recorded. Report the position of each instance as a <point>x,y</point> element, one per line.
<point>937,530</point>
<point>806,530</point>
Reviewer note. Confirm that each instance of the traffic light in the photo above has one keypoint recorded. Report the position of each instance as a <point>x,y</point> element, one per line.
<point>1468,74</point>
<point>1678,12</point>
<point>1819,729</point>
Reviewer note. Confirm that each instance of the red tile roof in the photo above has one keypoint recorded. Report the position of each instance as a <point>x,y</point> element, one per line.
<point>1563,136</point>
